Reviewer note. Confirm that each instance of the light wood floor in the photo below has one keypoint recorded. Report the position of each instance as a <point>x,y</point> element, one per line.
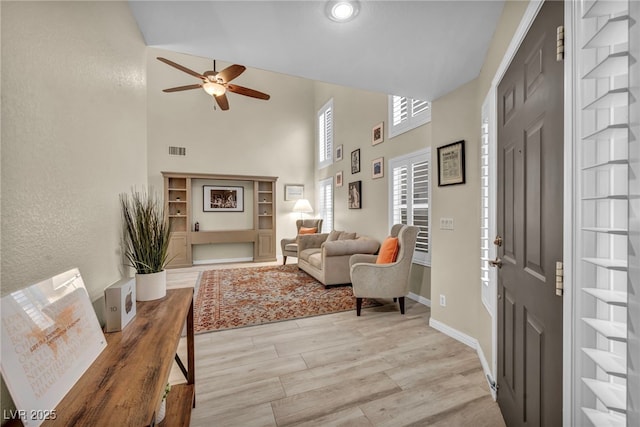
<point>381,369</point>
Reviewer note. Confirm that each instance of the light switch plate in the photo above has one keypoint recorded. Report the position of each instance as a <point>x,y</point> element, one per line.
<point>446,223</point>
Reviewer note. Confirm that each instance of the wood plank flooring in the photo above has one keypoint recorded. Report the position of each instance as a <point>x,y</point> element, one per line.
<point>381,369</point>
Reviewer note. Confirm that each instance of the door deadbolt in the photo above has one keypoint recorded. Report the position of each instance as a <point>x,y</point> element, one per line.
<point>498,241</point>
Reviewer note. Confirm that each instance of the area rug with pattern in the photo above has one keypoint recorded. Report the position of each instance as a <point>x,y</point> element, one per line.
<point>237,297</point>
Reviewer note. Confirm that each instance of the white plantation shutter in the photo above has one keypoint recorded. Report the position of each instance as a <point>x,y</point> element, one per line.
<point>418,107</point>
<point>409,191</point>
<point>406,114</point>
<point>602,147</point>
<point>325,135</point>
<point>325,204</point>
<point>488,277</point>
<point>400,110</point>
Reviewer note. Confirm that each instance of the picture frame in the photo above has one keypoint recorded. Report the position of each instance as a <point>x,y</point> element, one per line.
<point>222,199</point>
<point>355,161</point>
<point>355,195</point>
<point>451,164</point>
<point>339,179</point>
<point>339,153</point>
<point>293,191</point>
<point>377,134</point>
<point>377,168</point>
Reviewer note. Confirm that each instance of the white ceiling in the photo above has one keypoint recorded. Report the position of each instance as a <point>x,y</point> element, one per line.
<point>420,49</point>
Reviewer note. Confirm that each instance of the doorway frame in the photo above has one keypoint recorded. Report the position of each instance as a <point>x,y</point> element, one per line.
<point>489,106</point>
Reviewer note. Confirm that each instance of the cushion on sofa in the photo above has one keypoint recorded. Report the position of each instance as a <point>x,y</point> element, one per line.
<point>308,230</point>
<point>347,236</point>
<point>306,253</point>
<point>315,260</point>
<point>334,235</point>
<point>388,251</point>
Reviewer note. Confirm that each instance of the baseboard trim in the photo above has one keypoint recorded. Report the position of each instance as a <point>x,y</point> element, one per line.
<point>222,261</point>
<point>419,298</point>
<point>471,342</point>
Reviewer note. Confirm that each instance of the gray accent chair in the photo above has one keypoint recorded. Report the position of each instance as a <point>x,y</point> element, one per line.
<point>290,246</point>
<point>371,280</point>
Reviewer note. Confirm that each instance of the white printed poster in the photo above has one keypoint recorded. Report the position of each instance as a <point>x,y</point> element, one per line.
<point>50,336</point>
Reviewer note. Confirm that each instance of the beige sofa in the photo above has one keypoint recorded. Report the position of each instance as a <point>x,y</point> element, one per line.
<point>325,256</point>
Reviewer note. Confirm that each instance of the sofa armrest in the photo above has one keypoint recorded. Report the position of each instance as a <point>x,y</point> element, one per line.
<point>306,241</point>
<point>362,258</point>
<point>350,247</point>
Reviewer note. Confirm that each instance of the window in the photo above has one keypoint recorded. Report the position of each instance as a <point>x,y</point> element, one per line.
<point>325,135</point>
<point>325,204</point>
<point>488,276</point>
<point>406,114</point>
<point>409,192</point>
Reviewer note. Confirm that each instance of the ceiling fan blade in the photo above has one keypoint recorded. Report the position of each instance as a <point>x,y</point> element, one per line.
<point>179,88</point>
<point>247,92</point>
<point>231,72</point>
<point>222,101</point>
<point>181,68</point>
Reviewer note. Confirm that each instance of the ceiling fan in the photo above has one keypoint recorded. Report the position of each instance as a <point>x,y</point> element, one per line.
<point>216,83</point>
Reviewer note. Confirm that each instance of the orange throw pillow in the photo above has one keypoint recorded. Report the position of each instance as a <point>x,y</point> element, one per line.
<point>308,230</point>
<point>388,251</point>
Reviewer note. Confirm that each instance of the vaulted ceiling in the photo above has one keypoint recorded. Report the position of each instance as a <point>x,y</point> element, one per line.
<point>421,49</point>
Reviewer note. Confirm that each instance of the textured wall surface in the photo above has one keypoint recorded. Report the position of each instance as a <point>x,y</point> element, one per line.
<point>73,137</point>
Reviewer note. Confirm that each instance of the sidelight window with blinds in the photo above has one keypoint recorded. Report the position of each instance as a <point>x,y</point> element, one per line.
<point>325,204</point>
<point>325,135</point>
<point>409,192</point>
<point>602,147</point>
<point>406,114</point>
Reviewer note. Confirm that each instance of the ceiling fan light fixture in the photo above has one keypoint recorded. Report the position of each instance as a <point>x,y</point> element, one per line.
<point>214,89</point>
<point>342,11</point>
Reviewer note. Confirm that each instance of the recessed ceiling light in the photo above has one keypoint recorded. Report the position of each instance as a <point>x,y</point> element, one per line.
<point>342,11</point>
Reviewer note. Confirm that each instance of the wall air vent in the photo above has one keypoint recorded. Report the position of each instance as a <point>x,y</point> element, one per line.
<point>177,151</point>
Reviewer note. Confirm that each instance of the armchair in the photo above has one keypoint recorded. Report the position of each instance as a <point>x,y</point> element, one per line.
<point>371,280</point>
<point>290,245</point>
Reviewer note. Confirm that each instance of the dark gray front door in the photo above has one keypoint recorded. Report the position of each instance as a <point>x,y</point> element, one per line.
<point>530,192</point>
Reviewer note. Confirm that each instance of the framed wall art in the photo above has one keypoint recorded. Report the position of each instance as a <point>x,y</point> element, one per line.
<point>222,199</point>
<point>293,191</point>
<point>339,152</point>
<point>355,161</point>
<point>339,179</point>
<point>377,134</point>
<point>451,164</point>
<point>355,195</point>
<point>377,168</point>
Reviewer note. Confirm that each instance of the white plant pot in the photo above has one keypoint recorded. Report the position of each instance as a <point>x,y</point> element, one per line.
<point>151,286</point>
<point>162,411</point>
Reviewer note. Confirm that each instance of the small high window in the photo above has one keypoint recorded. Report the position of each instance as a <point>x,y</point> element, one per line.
<point>406,114</point>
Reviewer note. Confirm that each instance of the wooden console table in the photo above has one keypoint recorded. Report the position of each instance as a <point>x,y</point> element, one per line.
<point>125,384</point>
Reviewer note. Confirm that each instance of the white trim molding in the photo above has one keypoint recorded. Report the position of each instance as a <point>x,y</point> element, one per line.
<point>419,299</point>
<point>471,342</point>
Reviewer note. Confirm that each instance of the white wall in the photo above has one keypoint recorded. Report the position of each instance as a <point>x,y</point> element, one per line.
<point>73,138</point>
<point>254,137</point>
<point>456,254</point>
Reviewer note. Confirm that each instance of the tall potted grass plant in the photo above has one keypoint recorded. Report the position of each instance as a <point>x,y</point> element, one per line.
<point>146,242</point>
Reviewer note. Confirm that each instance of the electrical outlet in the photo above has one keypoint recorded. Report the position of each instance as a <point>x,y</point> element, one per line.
<point>443,301</point>
<point>446,223</point>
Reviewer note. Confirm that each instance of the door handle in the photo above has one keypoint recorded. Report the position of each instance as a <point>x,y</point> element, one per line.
<point>497,262</point>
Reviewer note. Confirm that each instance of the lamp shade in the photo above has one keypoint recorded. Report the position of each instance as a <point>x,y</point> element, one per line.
<point>302,206</point>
